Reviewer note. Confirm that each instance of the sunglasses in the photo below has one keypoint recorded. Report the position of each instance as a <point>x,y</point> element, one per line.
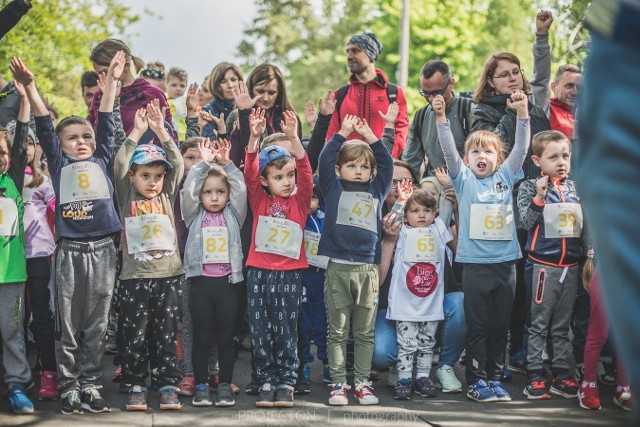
<point>428,94</point>
<point>152,73</point>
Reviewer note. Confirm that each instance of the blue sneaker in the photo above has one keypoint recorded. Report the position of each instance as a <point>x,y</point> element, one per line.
<point>481,392</point>
<point>305,373</point>
<point>518,362</point>
<point>326,374</point>
<point>501,393</point>
<point>18,400</point>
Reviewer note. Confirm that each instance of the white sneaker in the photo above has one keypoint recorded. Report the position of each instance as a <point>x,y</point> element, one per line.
<point>338,396</point>
<point>364,393</point>
<point>447,380</point>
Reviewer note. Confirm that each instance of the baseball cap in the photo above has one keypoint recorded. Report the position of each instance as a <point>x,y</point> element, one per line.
<point>149,153</point>
<point>270,154</point>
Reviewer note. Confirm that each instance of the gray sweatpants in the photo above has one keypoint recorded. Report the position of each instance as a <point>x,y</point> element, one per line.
<point>85,273</point>
<point>553,292</point>
<point>14,351</point>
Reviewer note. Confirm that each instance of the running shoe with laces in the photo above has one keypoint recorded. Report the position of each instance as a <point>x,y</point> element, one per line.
<point>425,387</point>
<point>253,388</point>
<point>187,386</point>
<point>481,392</point>
<point>518,363</point>
<point>48,386</point>
<point>201,395</point>
<point>71,402</point>
<point>623,399</point>
<point>137,400</point>
<point>403,389</point>
<point>225,395</point>
<point>18,400</point>
<point>284,396</point>
<point>446,379</point>
<point>537,389</point>
<point>338,395</point>
<point>502,395</point>
<point>92,401</point>
<point>302,386</point>
<point>588,396</point>
<point>169,400</point>
<point>364,393</point>
<point>266,396</point>
<point>565,386</point>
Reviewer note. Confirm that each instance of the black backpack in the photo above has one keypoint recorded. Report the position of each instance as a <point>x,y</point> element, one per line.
<point>392,94</point>
<point>464,107</point>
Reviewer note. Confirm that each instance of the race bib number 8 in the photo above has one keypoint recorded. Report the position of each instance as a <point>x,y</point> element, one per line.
<point>82,181</point>
<point>420,246</point>
<point>491,222</point>
<point>562,220</point>
<point>149,232</point>
<point>215,245</point>
<point>311,241</point>
<point>278,236</point>
<point>358,209</point>
<point>8,217</point>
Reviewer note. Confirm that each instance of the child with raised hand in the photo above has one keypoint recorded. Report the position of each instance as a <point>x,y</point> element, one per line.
<point>214,206</point>
<point>87,228</point>
<point>355,178</point>
<point>487,245</point>
<point>416,293</point>
<point>13,273</point>
<point>276,256</point>
<point>147,180</point>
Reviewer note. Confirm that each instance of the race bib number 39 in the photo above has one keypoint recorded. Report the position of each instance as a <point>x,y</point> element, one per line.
<point>149,232</point>
<point>215,245</point>
<point>8,217</point>
<point>358,209</point>
<point>311,241</point>
<point>278,236</point>
<point>82,181</point>
<point>491,222</point>
<point>562,220</point>
<point>422,246</point>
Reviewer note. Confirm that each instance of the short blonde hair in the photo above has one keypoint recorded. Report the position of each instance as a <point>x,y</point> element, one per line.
<point>355,150</point>
<point>485,139</point>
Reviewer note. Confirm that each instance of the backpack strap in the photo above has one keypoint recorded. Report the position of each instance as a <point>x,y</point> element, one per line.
<point>419,120</point>
<point>464,107</point>
<point>392,92</point>
<point>341,93</point>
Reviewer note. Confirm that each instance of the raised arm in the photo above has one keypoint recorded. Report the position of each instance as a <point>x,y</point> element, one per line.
<point>447,142</point>
<point>390,119</point>
<point>541,77</point>
<point>190,200</point>
<point>11,14</point>
<point>19,147</point>
<point>326,107</point>
<point>520,104</point>
<point>121,163</point>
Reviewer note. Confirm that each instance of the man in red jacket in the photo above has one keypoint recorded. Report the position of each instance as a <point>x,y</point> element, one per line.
<point>367,95</point>
<point>565,86</point>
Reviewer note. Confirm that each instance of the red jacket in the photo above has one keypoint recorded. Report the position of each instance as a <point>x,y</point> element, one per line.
<point>365,100</point>
<point>562,117</point>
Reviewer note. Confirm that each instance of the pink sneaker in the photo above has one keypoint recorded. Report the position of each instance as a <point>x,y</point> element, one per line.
<point>624,399</point>
<point>187,386</point>
<point>48,386</point>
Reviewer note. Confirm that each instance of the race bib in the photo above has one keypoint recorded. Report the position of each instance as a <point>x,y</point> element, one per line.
<point>358,209</point>
<point>149,232</point>
<point>8,217</point>
<point>215,245</point>
<point>422,245</point>
<point>278,236</point>
<point>562,220</point>
<point>491,222</point>
<point>82,181</point>
<point>311,241</point>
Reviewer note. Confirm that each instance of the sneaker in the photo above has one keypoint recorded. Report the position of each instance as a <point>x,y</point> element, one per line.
<point>364,393</point>
<point>234,388</point>
<point>326,374</point>
<point>589,397</point>
<point>463,358</point>
<point>518,363</point>
<point>110,346</point>
<point>446,379</point>
<point>48,386</point>
<point>266,396</point>
<point>117,374</point>
<point>481,392</point>
<point>607,375</point>
<point>201,395</point>
<point>502,395</point>
<point>137,400</point>
<point>253,388</point>
<point>187,386</point>
<point>214,380</point>
<point>338,396</point>
<point>302,386</point>
<point>506,376</point>
<point>565,386</point>
<point>284,397</point>
<point>28,386</point>
<point>18,400</point>
<point>169,400</point>
<point>536,389</point>
<point>425,387</point>
<point>306,373</point>
<point>125,388</point>
<point>624,399</point>
<point>91,400</point>
<point>225,395</point>
<point>71,402</point>
<point>403,389</point>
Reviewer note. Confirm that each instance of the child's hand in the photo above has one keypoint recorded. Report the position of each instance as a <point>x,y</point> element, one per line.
<point>310,114</point>
<point>439,107</point>
<point>22,93</point>
<point>362,127</point>
<point>542,184</point>
<point>405,190</point>
<point>258,122</point>
<point>220,123</point>
<point>242,97</point>
<point>155,117</point>
<point>140,122</point>
<point>207,150</point>
<point>20,72</point>
<point>327,105</point>
<point>348,122</point>
<point>192,98</point>
<point>520,103</point>
<point>442,176</point>
<point>117,65</point>
<point>450,195</point>
<point>544,19</point>
<point>289,125</point>
<point>223,147</point>
<point>391,116</point>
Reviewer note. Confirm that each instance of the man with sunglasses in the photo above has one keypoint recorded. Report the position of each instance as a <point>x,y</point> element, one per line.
<point>436,79</point>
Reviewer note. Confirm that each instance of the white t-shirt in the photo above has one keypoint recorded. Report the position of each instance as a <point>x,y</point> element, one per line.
<point>416,290</point>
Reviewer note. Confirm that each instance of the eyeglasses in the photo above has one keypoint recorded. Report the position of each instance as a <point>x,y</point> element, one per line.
<point>152,73</point>
<point>508,74</point>
<point>428,94</point>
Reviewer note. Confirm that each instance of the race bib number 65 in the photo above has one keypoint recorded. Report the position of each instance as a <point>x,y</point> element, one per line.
<point>421,246</point>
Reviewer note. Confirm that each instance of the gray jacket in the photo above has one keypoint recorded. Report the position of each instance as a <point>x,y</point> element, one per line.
<point>234,214</point>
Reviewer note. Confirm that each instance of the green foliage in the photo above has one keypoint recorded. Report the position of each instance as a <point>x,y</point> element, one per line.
<point>55,39</point>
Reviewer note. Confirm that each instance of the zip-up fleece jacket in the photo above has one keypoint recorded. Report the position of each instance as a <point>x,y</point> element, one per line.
<point>558,252</point>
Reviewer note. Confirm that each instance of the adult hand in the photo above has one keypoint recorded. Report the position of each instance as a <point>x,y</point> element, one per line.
<point>392,114</point>
<point>242,97</point>
<point>390,227</point>
<point>289,125</point>
<point>327,105</point>
<point>20,71</point>
<point>544,19</point>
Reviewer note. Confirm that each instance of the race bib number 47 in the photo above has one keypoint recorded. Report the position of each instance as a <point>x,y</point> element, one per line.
<point>278,236</point>
<point>491,222</point>
<point>149,232</point>
<point>82,181</point>
<point>358,209</point>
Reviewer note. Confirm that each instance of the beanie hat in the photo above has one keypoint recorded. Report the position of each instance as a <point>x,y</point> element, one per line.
<point>369,43</point>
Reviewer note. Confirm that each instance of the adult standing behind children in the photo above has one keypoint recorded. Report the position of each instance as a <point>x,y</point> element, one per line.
<point>562,108</point>
<point>369,93</point>
<point>221,83</point>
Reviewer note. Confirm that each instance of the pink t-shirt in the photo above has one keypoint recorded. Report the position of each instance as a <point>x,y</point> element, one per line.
<point>215,270</point>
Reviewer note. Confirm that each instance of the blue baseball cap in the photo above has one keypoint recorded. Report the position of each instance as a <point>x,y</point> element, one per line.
<point>269,154</point>
<point>149,153</point>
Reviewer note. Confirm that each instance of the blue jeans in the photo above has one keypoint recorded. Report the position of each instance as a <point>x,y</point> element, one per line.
<point>385,348</point>
<point>453,329</point>
<point>608,175</point>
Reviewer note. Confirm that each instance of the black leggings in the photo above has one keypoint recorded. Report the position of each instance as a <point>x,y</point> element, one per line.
<point>214,304</point>
<point>39,273</point>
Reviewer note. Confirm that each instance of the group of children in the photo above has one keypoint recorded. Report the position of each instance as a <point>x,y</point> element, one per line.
<point>317,236</point>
